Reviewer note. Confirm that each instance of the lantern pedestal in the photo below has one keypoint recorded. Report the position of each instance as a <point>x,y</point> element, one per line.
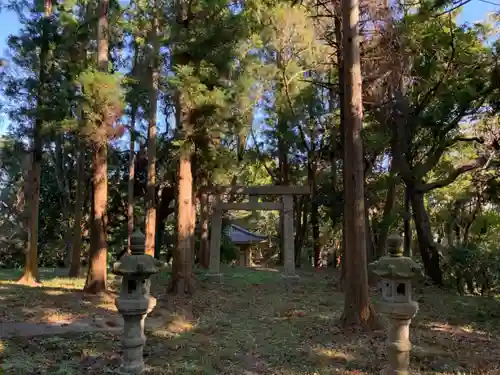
<point>398,336</point>
<point>134,315</point>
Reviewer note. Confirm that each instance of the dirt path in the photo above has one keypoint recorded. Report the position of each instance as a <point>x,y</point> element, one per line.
<point>61,327</point>
<point>24,329</point>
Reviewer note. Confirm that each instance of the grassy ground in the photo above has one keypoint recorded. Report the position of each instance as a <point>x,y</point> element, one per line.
<point>251,323</point>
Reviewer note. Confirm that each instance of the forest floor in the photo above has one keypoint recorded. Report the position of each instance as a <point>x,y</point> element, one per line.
<point>250,323</point>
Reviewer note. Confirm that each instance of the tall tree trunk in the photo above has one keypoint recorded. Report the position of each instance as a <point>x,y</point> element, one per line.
<point>407,224</point>
<point>182,265</point>
<point>167,195</point>
<point>182,278</point>
<point>298,207</point>
<point>427,246</point>
<point>342,127</point>
<point>64,196</point>
<point>204,243</point>
<point>193,224</point>
<point>76,246</point>
<point>284,179</point>
<point>153,99</point>
<point>390,201</point>
<point>131,178</point>
<point>301,214</point>
<point>131,156</point>
<point>30,274</point>
<point>357,307</point>
<point>97,272</point>
<point>472,217</point>
<point>314,214</point>
<point>370,246</point>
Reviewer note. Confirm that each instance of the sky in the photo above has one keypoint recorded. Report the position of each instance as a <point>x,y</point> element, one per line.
<point>476,10</point>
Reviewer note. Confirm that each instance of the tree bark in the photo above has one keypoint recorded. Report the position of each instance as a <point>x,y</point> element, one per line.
<point>357,307</point>
<point>407,224</point>
<point>97,272</point>
<point>131,179</point>
<point>342,126</point>
<point>427,246</point>
<point>76,246</point>
<point>167,195</point>
<point>63,195</point>
<point>314,213</point>
<point>300,227</point>
<point>30,274</point>
<point>370,244</point>
<point>182,265</point>
<point>182,275</point>
<point>204,243</point>
<point>383,232</point>
<point>284,178</point>
<point>153,99</point>
<point>132,158</point>
<point>193,223</point>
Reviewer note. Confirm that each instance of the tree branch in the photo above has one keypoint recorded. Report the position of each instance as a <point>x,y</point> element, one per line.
<point>477,163</point>
<point>435,156</point>
<point>254,138</point>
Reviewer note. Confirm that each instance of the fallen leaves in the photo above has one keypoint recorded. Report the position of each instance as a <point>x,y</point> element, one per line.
<point>251,325</point>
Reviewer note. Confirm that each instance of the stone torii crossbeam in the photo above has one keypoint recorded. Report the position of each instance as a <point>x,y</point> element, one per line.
<point>285,207</point>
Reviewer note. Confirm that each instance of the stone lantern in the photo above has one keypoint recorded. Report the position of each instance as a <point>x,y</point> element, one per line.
<point>134,301</point>
<point>396,273</point>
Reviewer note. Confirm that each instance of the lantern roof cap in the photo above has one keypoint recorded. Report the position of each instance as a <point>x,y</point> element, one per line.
<point>138,263</point>
<point>137,242</point>
<point>395,265</point>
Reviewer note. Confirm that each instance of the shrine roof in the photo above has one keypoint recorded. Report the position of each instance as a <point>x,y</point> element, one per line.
<point>242,236</point>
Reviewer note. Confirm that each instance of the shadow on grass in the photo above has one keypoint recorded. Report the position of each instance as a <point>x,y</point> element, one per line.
<point>254,322</point>
<point>473,312</point>
<point>46,274</point>
<point>55,300</point>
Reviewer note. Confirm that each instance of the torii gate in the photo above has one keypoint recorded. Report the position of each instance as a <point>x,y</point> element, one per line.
<point>286,213</point>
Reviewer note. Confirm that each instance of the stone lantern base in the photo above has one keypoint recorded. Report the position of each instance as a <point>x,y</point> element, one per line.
<point>398,335</point>
<point>133,337</point>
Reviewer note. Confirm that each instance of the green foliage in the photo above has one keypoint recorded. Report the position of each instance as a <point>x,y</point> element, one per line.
<point>257,83</point>
<point>102,100</point>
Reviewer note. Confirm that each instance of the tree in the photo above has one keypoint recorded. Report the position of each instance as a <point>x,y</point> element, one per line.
<point>132,130</point>
<point>434,110</point>
<point>74,270</point>
<point>153,98</point>
<point>97,271</point>
<point>30,274</point>
<point>209,59</point>
<point>357,307</point>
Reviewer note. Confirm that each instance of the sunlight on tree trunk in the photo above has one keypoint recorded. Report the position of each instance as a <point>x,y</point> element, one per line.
<point>131,179</point>
<point>131,154</point>
<point>153,99</point>
<point>97,272</point>
<point>182,273</point>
